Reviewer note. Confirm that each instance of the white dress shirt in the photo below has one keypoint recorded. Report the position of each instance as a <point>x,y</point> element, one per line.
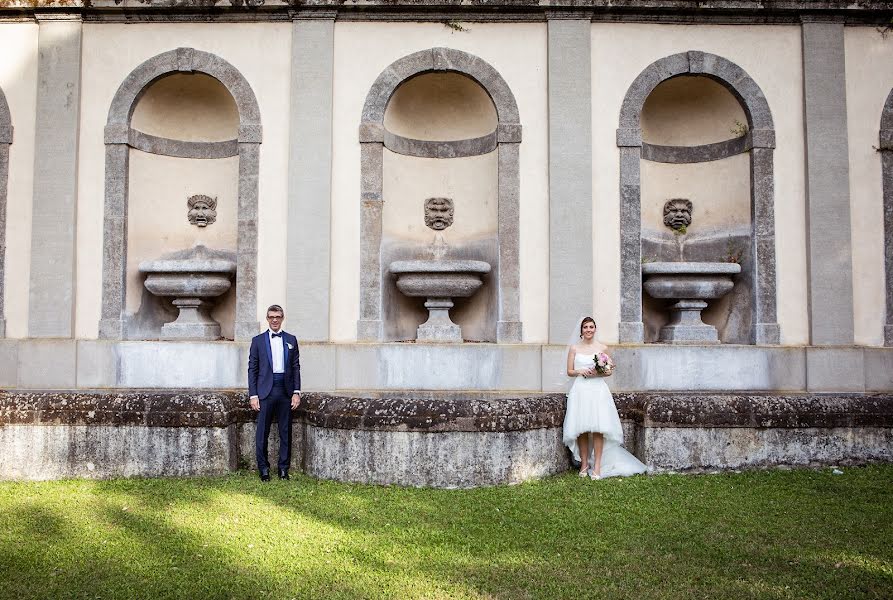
<point>278,354</point>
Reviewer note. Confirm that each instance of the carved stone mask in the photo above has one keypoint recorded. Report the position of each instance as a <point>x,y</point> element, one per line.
<point>202,210</point>
<point>677,213</point>
<point>438,213</point>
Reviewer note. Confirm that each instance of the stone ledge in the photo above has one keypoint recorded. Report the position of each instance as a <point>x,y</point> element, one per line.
<point>779,411</point>
<point>151,408</point>
<point>443,411</point>
<point>436,412</point>
<point>422,411</point>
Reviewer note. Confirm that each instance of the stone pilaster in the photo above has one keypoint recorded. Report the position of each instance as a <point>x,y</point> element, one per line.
<point>310,171</point>
<point>53,234</point>
<point>570,173</point>
<point>5,141</point>
<point>829,240</point>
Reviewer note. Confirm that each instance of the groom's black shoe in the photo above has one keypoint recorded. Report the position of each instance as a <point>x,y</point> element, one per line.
<point>283,474</point>
<point>264,475</point>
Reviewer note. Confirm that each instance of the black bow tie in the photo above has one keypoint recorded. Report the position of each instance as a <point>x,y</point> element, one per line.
<point>277,334</point>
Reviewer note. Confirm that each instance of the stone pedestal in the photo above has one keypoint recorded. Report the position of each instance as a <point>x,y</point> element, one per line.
<point>686,326</point>
<point>439,327</point>
<point>193,322</point>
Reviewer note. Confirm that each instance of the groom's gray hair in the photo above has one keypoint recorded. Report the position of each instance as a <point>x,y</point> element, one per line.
<point>275,308</point>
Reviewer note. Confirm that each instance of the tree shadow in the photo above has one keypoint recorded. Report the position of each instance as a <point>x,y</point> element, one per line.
<point>651,537</point>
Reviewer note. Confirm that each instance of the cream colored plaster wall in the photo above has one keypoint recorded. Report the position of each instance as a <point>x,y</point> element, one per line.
<point>18,80</point>
<point>157,221</point>
<point>869,71</point>
<point>362,52</point>
<point>471,183</point>
<point>262,53</point>
<point>719,191</point>
<point>690,111</point>
<point>187,107</point>
<point>440,107</point>
<point>772,56</point>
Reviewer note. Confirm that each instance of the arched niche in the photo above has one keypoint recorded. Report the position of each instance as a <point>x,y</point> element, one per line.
<point>5,142</point>
<point>374,139</point>
<point>440,141</point>
<point>121,137</point>
<point>759,141</point>
<point>886,147</point>
<point>694,147</point>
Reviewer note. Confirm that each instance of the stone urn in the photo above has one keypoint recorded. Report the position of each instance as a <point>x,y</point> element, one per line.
<point>193,278</point>
<point>689,285</point>
<point>439,281</point>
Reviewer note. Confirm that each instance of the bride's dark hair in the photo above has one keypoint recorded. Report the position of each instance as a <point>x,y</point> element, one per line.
<point>587,320</point>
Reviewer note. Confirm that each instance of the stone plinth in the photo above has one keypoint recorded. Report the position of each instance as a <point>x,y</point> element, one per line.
<point>531,368</point>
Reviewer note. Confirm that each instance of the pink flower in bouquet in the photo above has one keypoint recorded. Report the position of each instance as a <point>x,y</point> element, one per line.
<point>603,363</point>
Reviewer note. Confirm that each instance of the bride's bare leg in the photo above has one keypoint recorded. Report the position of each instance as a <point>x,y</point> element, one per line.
<point>583,447</point>
<point>599,442</point>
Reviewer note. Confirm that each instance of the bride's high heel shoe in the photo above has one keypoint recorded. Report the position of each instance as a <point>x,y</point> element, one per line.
<point>583,474</point>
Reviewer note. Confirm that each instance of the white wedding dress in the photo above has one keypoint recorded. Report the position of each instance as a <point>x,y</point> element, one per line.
<point>590,407</point>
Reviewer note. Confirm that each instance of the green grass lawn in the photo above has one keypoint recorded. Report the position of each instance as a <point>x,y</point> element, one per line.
<point>771,534</point>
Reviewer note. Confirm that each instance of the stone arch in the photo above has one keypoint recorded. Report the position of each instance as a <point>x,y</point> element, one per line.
<point>5,142</point>
<point>760,141</point>
<point>372,138</point>
<point>886,147</point>
<point>119,138</point>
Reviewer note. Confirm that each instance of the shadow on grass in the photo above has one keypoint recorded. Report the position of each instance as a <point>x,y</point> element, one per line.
<point>751,535</point>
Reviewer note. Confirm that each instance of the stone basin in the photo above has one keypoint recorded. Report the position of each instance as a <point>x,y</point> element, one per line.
<point>703,280</point>
<point>439,278</point>
<point>191,277</point>
<point>691,284</point>
<point>439,281</point>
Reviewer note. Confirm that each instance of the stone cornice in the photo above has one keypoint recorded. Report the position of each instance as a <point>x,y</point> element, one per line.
<point>682,11</point>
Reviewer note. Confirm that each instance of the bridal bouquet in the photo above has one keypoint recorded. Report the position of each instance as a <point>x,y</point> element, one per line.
<point>603,364</point>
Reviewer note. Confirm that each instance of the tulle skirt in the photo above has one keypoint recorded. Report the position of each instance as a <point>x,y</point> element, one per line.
<point>590,408</point>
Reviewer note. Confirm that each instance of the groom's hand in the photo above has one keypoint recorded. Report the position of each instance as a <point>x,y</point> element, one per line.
<point>295,400</point>
<point>254,402</point>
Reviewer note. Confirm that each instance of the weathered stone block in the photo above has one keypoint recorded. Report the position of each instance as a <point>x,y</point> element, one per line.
<point>878,369</point>
<point>318,366</point>
<point>835,369</point>
<point>47,364</point>
<point>436,366</point>
<point>9,360</point>
<point>181,365</point>
<point>662,367</point>
<point>631,332</point>
<point>445,460</point>
<point>629,137</point>
<point>97,364</point>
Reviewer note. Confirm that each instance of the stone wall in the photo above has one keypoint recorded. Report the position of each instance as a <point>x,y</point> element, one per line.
<point>437,439</point>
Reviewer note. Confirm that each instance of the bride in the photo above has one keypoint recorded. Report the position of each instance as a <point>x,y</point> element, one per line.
<point>591,411</point>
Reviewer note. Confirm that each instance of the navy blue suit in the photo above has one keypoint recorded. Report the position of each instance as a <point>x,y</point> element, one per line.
<point>274,392</point>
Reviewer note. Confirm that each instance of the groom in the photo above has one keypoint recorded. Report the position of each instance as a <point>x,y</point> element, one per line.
<point>274,387</point>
